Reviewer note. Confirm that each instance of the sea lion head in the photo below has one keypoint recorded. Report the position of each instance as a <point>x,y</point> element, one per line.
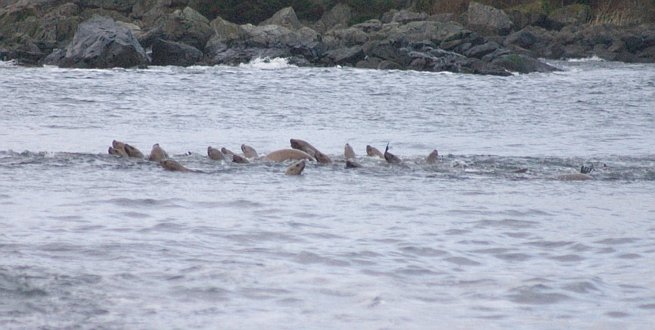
<point>117,144</point>
<point>296,168</point>
<point>133,151</point>
<point>373,152</point>
<point>433,157</point>
<point>348,152</point>
<point>239,160</point>
<point>322,158</point>
<point>215,154</point>
<point>248,151</point>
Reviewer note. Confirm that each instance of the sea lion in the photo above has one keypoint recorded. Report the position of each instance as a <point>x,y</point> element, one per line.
<point>171,165</point>
<point>348,152</point>
<point>117,152</point>
<point>215,154</point>
<point>373,152</point>
<point>227,151</point>
<point>433,157</point>
<point>352,164</point>
<point>287,154</point>
<point>249,151</point>
<point>157,153</point>
<point>391,158</point>
<point>296,168</point>
<point>575,177</point>
<point>309,149</point>
<point>133,151</point>
<point>239,160</point>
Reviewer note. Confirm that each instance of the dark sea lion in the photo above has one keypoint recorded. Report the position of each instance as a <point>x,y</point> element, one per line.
<point>433,157</point>
<point>287,154</point>
<point>133,151</point>
<point>157,153</point>
<point>373,152</point>
<point>295,168</point>
<point>171,165</point>
<point>215,154</point>
<point>239,159</point>
<point>249,151</point>
<point>309,149</point>
<point>348,152</point>
<point>391,158</point>
<point>352,164</point>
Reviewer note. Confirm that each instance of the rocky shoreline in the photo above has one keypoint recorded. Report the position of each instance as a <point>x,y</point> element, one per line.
<point>138,33</point>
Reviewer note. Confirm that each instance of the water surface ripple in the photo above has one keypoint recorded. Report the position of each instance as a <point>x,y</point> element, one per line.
<point>92,241</point>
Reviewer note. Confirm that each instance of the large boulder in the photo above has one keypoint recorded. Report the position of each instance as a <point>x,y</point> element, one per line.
<point>187,26</point>
<point>522,64</point>
<point>174,53</point>
<point>284,17</point>
<point>488,20</point>
<point>336,18</point>
<point>100,42</point>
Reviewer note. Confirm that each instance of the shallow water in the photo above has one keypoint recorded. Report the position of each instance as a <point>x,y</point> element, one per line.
<point>88,240</point>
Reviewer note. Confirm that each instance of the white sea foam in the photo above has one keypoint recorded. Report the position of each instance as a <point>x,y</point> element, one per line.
<point>586,59</point>
<point>8,63</point>
<point>267,63</point>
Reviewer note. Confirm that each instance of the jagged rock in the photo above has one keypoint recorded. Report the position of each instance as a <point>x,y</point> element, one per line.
<point>488,20</point>
<point>123,6</point>
<point>187,26</point>
<point>344,56</point>
<point>100,42</point>
<point>337,17</point>
<point>481,50</point>
<point>522,64</point>
<point>285,17</point>
<point>174,53</point>
<point>225,31</point>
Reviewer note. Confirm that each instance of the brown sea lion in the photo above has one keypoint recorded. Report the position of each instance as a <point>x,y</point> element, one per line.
<point>287,154</point>
<point>348,152</point>
<point>295,168</point>
<point>309,149</point>
<point>227,152</point>
<point>249,151</point>
<point>133,151</point>
<point>433,157</point>
<point>157,153</point>
<point>391,158</point>
<point>117,152</point>
<point>215,154</point>
<point>239,159</point>
<point>373,152</point>
<point>171,165</point>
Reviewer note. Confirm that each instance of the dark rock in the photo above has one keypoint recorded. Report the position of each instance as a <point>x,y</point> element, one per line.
<point>285,17</point>
<point>344,56</point>
<point>522,64</point>
<point>124,6</point>
<point>102,43</point>
<point>482,50</point>
<point>488,20</point>
<point>403,16</point>
<point>174,53</point>
<point>336,18</point>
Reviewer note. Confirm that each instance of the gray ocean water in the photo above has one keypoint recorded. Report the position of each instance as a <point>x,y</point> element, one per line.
<point>90,241</point>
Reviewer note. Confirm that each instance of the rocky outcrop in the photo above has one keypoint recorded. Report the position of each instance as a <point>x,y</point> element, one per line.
<point>174,53</point>
<point>100,42</point>
<point>487,42</point>
<point>488,20</point>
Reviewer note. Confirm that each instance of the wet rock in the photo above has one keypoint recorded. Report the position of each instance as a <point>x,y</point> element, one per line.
<point>488,20</point>
<point>174,53</point>
<point>521,64</point>
<point>285,17</point>
<point>100,42</point>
